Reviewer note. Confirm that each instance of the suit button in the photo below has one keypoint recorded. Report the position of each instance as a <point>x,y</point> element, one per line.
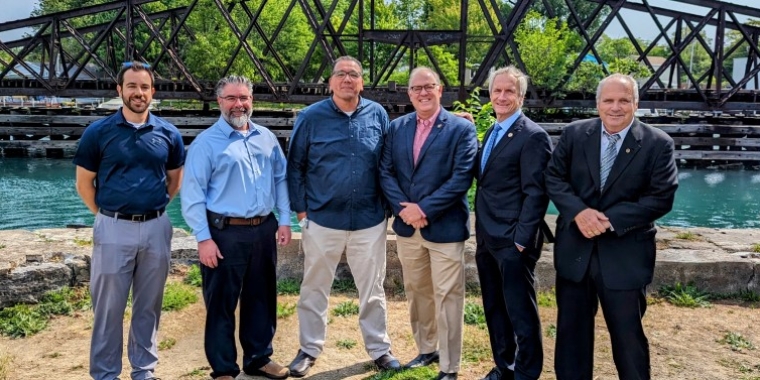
<point>577,260</point>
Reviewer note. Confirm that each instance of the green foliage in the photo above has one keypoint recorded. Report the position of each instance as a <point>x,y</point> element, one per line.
<point>288,287</point>
<point>586,77</point>
<point>6,366</point>
<point>2,246</point>
<point>177,296</point>
<point>685,296</point>
<point>83,242</point>
<point>736,341</point>
<point>687,235</point>
<point>420,373</point>
<point>193,276</point>
<point>755,247</point>
<point>474,315</point>
<point>24,320</point>
<point>346,344</point>
<point>749,296</point>
<point>476,348</point>
<point>544,45</point>
<point>344,286</point>
<point>344,309</point>
<point>482,113</point>
<point>286,310</point>
<point>166,344</point>
<point>547,298</point>
<point>551,331</point>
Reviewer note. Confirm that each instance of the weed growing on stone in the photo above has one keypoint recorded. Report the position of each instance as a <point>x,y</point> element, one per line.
<point>344,309</point>
<point>166,344</point>
<point>87,242</point>
<point>286,310</point>
<point>346,344</point>
<point>288,287</point>
<point>756,247</point>
<point>177,296</point>
<point>687,235</point>
<point>736,341</point>
<point>685,295</point>
<point>474,315</point>
<point>193,276</point>
<point>2,246</point>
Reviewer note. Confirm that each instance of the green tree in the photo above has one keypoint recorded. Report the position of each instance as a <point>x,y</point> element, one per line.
<point>543,45</point>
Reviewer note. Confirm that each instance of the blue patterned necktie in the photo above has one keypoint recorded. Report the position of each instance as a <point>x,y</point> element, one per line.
<point>608,159</point>
<point>489,146</point>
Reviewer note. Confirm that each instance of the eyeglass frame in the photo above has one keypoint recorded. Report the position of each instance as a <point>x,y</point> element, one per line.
<point>233,99</point>
<point>340,74</point>
<point>428,88</point>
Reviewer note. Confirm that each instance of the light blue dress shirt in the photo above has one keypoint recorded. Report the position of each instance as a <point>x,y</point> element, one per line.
<point>505,125</point>
<point>234,175</point>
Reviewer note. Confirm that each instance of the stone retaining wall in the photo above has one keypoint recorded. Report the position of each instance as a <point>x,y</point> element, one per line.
<point>715,260</point>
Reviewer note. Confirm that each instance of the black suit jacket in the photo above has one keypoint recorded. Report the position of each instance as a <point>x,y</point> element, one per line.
<point>511,200</point>
<point>640,189</point>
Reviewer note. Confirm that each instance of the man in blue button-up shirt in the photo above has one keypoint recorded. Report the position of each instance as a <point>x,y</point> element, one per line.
<point>334,188</point>
<point>234,180</point>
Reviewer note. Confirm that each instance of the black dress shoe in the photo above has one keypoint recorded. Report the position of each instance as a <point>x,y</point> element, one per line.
<point>387,362</point>
<point>423,360</point>
<point>495,374</point>
<point>301,365</point>
<point>446,376</point>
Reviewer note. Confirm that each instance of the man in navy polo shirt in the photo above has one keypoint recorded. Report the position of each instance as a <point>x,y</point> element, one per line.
<point>129,166</point>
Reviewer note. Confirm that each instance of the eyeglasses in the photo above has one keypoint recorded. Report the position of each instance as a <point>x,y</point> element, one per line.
<point>427,87</point>
<point>127,65</point>
<point>233,99</point>
<point>342,74</point>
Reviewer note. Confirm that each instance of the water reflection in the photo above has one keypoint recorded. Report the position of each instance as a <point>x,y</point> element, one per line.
<point>40,193</point>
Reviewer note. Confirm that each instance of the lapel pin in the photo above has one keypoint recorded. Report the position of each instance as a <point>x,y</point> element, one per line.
<point>510,134</point>
<point>628,150</point>
<point>439,125</point>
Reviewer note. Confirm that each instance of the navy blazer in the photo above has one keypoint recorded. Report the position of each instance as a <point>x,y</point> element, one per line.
<point>640,189</point>
<point>440,180</point>
<point>511,199</point>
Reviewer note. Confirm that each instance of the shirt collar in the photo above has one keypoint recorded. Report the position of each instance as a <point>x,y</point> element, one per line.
<point>622,133</point>
<point>431,119</point>
<point>507,123</point>
<point>149,122</point>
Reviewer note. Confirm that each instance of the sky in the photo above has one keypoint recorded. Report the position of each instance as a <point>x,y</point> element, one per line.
<point>640,23</point>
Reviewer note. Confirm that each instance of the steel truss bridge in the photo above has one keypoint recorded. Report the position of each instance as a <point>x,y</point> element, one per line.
<point>74,57</point>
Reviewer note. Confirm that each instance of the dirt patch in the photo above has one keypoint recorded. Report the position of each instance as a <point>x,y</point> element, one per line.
<point>685,344</point>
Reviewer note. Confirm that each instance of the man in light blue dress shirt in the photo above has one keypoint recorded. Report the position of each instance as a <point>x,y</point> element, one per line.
<point>235,179</point>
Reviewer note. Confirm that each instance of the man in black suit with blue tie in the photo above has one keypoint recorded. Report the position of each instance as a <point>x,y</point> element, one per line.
<point>425,172</point>
<point>510,204</point>
<point>610,177</point>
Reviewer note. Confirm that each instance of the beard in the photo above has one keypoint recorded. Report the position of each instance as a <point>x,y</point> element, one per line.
<point>238,122</point>
<point>131,104</point>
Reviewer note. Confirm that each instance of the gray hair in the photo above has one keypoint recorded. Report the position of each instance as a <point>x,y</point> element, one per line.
<point>233,79</point>
<point>350,59</point>
<point>514,72</point>
<point>623,78</point>
<point>420,69</point>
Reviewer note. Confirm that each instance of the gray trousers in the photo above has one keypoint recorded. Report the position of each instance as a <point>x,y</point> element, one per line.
<point>127,255</point>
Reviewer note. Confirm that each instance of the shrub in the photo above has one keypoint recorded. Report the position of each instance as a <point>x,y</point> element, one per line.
<point>547,298</point>
<point>288,287</point>
<point>286,310</point>
<point>344,286</point>
<point>474,315</point>
<point>193,276</point>
<point>685,296</point>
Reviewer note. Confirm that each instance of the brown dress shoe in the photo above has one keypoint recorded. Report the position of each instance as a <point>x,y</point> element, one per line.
<point>271,370</point>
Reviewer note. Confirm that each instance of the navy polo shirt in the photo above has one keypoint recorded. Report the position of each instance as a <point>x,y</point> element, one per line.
<point>130,164</point>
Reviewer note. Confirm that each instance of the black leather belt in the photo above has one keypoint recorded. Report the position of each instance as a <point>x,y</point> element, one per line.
<point>134,217</point>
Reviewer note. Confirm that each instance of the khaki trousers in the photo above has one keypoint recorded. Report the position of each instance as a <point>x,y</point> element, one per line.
<point>365,253</point>
<point>434,287</point>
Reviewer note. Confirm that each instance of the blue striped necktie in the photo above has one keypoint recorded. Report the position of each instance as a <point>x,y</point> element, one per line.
<point>608,159</point>
<point>489,146</point>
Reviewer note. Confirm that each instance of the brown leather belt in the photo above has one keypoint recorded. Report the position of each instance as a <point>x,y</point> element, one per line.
<point>255,221</point>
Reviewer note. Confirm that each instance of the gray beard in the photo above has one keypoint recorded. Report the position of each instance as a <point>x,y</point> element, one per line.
<point>238,122</point>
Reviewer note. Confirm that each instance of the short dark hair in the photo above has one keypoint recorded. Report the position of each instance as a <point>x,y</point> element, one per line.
<point>136,66</point>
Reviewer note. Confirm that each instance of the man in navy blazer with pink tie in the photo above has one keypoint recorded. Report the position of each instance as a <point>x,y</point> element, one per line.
<point>425,172</point>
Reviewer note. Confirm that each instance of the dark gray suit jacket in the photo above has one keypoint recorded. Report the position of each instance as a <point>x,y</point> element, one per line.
<point>640,189</point>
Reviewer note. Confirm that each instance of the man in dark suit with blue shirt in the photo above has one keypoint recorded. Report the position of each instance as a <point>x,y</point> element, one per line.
<point>425,172</point>
<point>610,177</point>
<point>510,204</point>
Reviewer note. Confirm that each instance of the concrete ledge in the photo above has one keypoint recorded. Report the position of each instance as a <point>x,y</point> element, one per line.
<point>715,260</point>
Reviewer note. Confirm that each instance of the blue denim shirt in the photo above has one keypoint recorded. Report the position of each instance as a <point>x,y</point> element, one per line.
<point>333,163</point>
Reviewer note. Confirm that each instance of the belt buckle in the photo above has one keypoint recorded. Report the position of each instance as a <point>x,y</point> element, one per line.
<point>138,218</point>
